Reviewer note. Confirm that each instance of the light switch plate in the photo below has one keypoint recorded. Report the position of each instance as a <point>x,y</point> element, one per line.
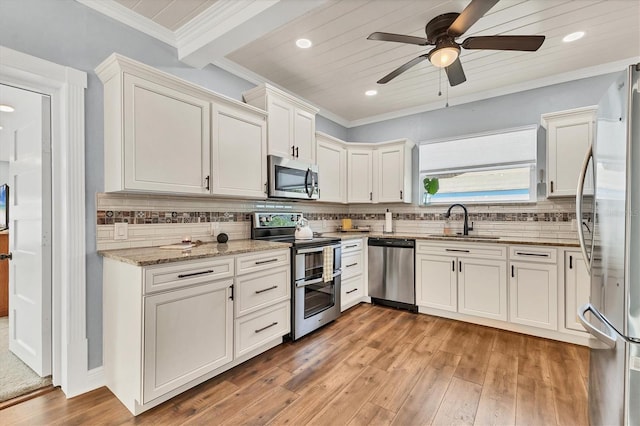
<point>121,231</point>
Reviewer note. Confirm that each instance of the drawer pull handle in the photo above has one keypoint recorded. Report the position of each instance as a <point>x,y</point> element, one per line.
<point>193,274</point>
<point>262,262</point>
<point>458,250</point>
<point>352,264</point>
<point>268,326</point>
<point>266,289</point>
<point>351,291</point>
<point>523,253</point>
<point>351,246</point>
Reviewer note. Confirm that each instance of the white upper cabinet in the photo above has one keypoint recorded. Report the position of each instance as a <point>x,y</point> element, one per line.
<point>291,123</point>
<point>569,134</point>
<point>164,134</point>
<point>394,173</point>
<point>360,175</point>
<point>239,150</point>
<point>331,157</point>
<point>156,131</point>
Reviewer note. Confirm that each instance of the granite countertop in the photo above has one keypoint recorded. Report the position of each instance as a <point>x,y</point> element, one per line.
<point>561,242</point>
<point>146,256</point>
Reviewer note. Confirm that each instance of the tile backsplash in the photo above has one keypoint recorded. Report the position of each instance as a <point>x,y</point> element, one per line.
<point>155,220</point>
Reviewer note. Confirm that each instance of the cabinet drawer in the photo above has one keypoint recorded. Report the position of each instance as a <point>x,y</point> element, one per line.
<point>495,251</point>
<point>259,328</point>
<point>351,265</point>
<point>182,274</point>
<point>260,261</point>
<point>349,246</point>
<point>261,289</point>
<point>352,289</point>
<point>533,254</point>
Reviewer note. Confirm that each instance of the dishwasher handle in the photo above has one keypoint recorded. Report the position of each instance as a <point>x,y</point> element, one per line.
<point>391,242</point>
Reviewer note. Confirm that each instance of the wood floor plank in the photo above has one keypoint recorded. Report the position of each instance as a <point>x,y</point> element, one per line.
<point>422,403</point>
<point>372,415</point>
<point>497,404</point>
<point>346,403</point>
<point>459,404</point>
<point>429,367</point>
<point>534,402</point>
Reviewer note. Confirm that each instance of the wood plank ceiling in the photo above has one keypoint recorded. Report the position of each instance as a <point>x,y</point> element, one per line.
<point>343,64</point>
<point>171,14</point>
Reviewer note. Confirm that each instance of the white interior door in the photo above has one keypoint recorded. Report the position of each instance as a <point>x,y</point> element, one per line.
<point>29,140</point>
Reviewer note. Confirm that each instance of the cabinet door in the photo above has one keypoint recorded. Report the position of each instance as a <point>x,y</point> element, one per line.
<point>482,288</point>
<point>187,333</point>
<point>239,147</point>
<point>577,288</point>
<point>391,170</point>
<point>280,127</point>
<point>360,175</point>
<point>166,139</point>
<point>534,295</point>
<point>568,139</point>
<point>436,282</point>
<point>352,291</point>
<point>332,166</point>
<point>304,135</point>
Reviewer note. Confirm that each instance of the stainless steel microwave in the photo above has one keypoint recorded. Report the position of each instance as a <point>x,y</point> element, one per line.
<point>292,178</point>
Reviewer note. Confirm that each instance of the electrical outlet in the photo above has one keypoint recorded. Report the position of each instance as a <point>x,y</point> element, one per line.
<point>215,229</point>
<point>121,231</point>
<point>574,225</point>
<point>324,224</point>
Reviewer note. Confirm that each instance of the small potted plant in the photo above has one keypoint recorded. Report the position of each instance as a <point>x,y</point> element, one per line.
<point>431,187</point>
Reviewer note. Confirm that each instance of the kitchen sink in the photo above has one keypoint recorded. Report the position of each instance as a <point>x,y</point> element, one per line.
<point>471,237</point>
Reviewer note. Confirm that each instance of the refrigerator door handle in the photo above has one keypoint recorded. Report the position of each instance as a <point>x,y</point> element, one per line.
<point>579,193</point>
<point>609,338</point>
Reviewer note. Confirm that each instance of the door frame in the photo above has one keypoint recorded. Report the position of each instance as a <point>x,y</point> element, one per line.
<point>66,88</point>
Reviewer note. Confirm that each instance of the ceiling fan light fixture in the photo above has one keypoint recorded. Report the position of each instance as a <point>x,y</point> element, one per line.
<point>443,56</point>
<point>573,36</point>
<point>304,43</point>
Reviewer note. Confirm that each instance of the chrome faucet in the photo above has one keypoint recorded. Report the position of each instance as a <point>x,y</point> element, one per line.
<point>466,229</point>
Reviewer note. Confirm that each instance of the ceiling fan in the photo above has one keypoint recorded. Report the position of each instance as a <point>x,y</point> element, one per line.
<point>442,32</point>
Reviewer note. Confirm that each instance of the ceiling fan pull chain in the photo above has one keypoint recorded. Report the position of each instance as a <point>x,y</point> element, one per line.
<point>440,82</point>
<point>446,89</point>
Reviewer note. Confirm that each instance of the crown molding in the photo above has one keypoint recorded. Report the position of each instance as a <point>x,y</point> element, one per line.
<point>216,21</point>
<point>122,14</point>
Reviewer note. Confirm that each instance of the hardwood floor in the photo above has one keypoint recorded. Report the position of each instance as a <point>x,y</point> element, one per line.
<point>374,365</point>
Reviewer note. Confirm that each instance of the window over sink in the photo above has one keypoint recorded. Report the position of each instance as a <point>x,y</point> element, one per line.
<point>487,168</point>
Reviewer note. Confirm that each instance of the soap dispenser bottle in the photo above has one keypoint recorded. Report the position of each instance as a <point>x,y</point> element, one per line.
<point>447,227</point>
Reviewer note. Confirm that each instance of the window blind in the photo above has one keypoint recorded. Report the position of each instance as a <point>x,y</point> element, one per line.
<point>512,146</point>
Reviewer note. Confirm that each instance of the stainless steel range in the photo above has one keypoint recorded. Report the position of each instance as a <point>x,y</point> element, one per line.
<point>315,271</point>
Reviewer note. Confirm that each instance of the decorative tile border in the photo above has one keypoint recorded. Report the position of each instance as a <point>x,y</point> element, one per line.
<point>141,217</point>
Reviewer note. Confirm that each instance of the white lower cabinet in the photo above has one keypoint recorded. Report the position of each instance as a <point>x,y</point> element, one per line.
<point>482,288</point>
<point>169,327</point>
<point>187,333</point>
<point>577,288</point>
<point>436,282</point>
<point>533,286</point>
<point>352,282</point>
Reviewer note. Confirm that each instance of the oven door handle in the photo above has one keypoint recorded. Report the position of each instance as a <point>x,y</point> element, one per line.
<point>303,283</point>
<point>315,249</point>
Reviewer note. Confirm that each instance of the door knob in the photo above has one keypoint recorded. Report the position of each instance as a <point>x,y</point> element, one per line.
<point>5,256</point>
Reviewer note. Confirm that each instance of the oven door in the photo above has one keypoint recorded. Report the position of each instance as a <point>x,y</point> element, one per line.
<point>292,179</point>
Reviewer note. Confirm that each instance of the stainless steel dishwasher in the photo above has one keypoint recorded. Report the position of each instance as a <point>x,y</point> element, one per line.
<point>391,272</point>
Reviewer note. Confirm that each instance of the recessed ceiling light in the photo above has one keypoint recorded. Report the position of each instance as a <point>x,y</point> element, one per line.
<point>6,108</point>
<point>303,43</point>
<point>371,92</point>
<point>573,36</point>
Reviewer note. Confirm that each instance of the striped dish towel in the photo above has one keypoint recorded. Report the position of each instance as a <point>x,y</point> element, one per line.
<point>327,261</point>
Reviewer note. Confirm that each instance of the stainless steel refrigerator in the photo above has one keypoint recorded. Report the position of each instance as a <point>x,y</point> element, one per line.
<point>613,252</point>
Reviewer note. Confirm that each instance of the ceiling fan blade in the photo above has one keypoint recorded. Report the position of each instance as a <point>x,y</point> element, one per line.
<point>474,11</point>
<point>525,43</point>
<point>402,68</point>
<point>398,38</point>
<point>455,73</point>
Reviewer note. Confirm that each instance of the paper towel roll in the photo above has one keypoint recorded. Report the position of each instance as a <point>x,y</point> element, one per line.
<point>388,225</point>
